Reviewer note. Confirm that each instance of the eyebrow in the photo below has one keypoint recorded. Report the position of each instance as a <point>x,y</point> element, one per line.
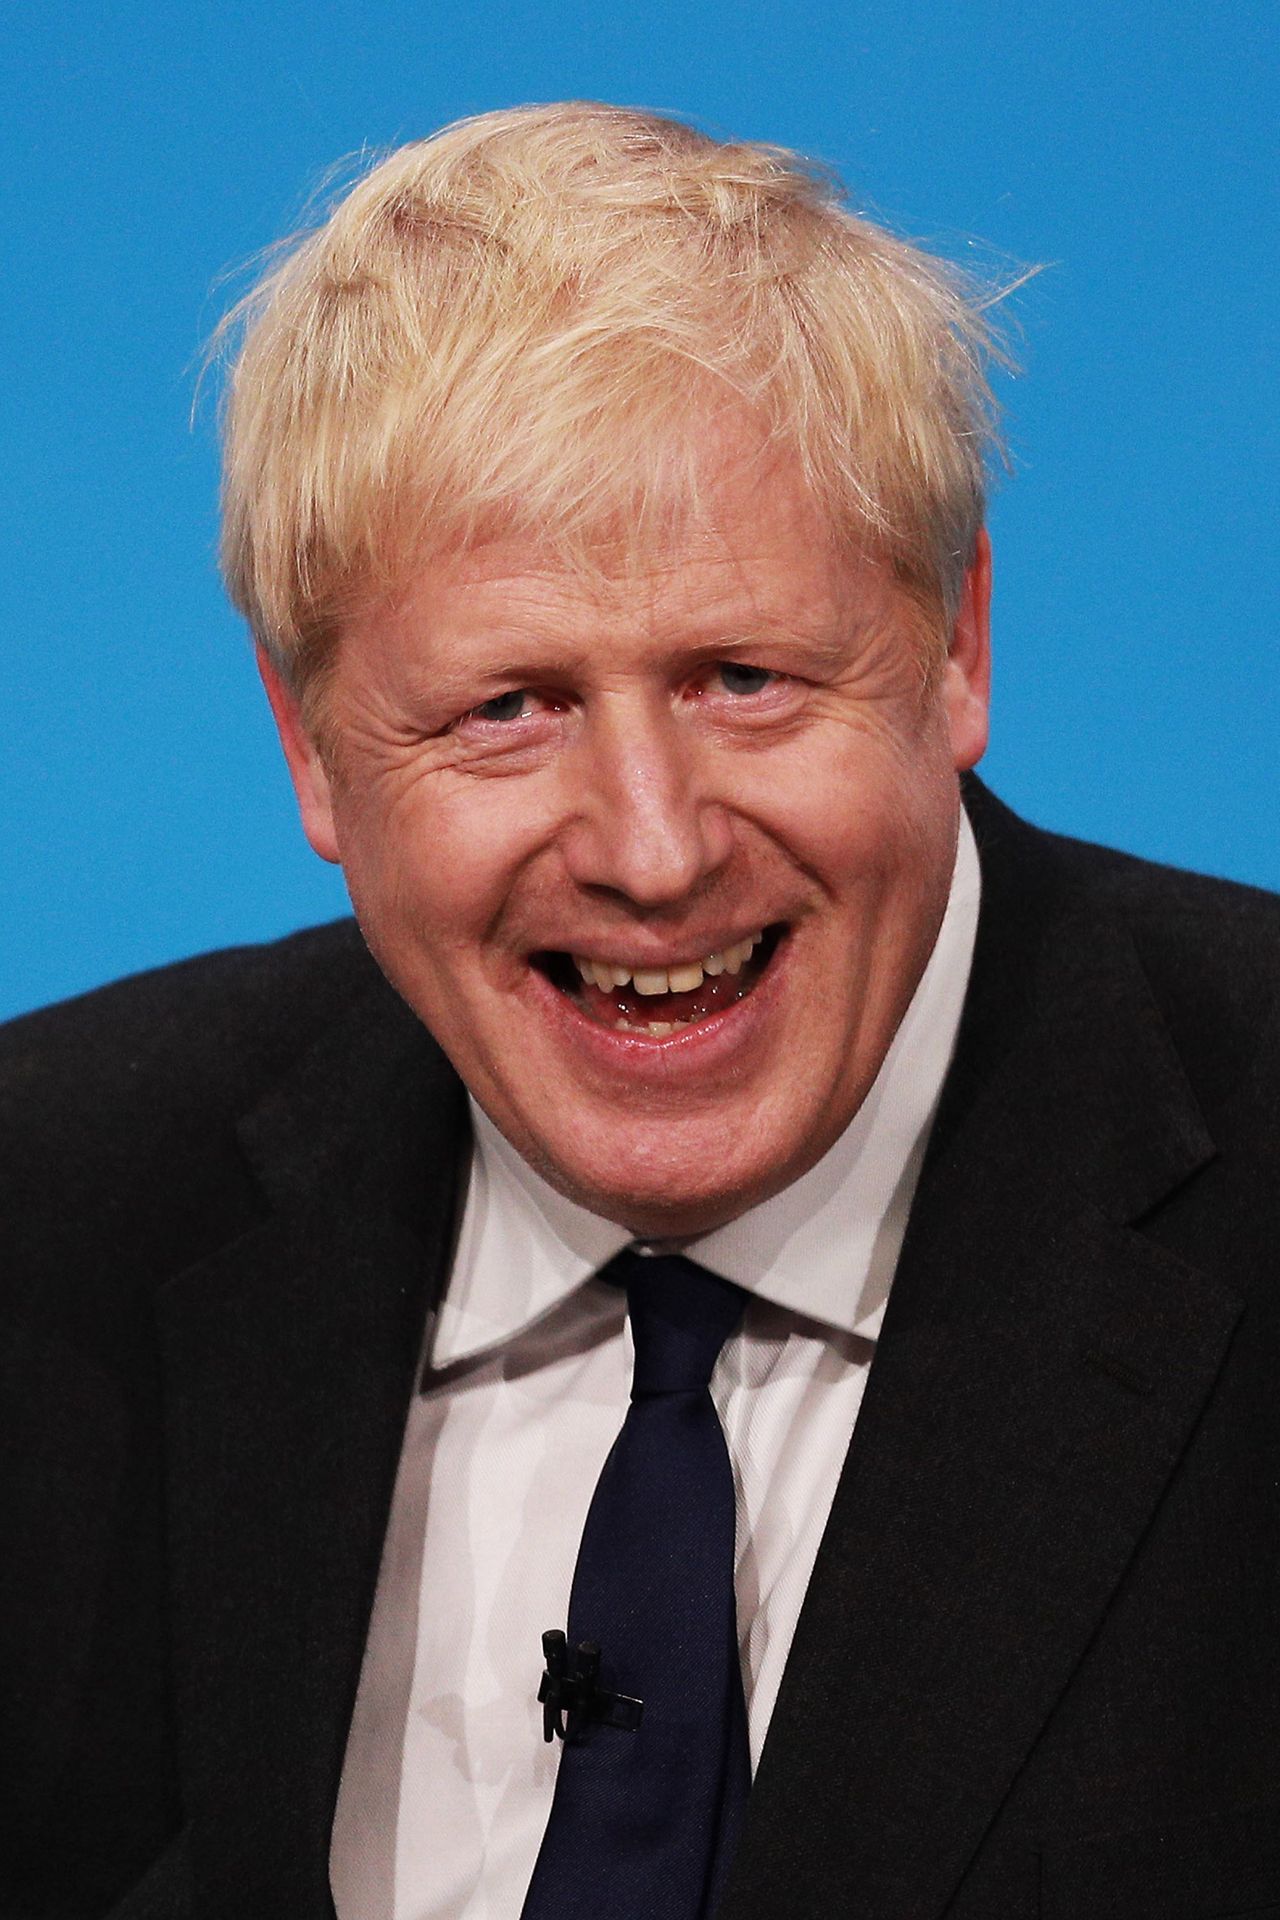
<point>513,656</point>
<point>526,663</point>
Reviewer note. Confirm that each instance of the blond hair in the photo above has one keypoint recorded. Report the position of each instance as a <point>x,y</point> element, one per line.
<point>526,323</point>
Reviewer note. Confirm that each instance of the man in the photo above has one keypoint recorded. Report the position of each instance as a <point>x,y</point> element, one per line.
<point>607,506</point>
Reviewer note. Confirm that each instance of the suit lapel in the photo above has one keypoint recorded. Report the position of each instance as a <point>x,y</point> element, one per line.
<point>289,1360</point>
<point>1040,1369</point>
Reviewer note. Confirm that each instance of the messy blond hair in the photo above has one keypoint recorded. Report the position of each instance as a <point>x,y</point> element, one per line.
<point>526,324</point>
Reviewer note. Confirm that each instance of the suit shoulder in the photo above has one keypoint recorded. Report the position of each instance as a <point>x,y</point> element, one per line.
<point>1147,889</point>
<point>1219,924</point>
<point>1190,927</point>
<point>231,1015</point>
<point>1210,950</point>
<point>118,1109</point>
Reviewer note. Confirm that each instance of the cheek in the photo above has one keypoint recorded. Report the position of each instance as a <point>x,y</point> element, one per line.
<point>395,866</point>
<point>875,812</point>
<point>431,868</point>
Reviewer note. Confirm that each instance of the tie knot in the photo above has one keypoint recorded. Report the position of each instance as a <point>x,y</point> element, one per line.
<point>680,1315</point>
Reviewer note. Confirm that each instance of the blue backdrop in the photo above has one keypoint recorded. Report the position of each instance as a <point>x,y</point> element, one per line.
<point>148,150</point>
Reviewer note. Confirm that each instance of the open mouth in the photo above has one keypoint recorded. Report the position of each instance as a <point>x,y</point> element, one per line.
<point>657,1001</point>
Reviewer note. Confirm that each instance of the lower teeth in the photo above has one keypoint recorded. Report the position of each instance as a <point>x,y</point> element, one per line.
<point>659,1029</point>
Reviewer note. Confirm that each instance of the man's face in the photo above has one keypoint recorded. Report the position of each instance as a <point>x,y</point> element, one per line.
<point>714,788</point>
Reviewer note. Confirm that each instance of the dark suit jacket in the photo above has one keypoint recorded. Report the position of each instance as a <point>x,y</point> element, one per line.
<point>1038,1669</point>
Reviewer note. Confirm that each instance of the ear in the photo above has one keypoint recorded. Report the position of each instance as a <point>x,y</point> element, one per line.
<point>966,684</point>
<point>311,781</point>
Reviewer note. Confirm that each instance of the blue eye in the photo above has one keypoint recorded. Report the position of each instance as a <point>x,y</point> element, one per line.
<point>738,678</point>
<point>504,706</point>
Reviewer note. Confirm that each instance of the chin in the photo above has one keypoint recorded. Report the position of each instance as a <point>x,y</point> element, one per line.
<point>661,1197</point>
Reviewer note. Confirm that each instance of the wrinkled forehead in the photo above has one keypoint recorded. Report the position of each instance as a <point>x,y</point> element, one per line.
<point>724,513</point>
<point>715,535</point>
<point>615,508</point>
<point>708,500</point>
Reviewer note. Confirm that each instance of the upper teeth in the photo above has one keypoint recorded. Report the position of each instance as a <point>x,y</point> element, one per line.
<point>607,974</point>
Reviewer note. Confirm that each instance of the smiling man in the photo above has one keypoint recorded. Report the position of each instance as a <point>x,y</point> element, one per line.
<point>717,1355</point>
<point>658,857</point>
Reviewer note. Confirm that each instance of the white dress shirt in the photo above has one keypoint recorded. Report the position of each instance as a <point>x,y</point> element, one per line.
<point>447,1782</point>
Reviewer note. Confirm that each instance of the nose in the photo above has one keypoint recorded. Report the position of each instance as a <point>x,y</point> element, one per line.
<point>644,821</point>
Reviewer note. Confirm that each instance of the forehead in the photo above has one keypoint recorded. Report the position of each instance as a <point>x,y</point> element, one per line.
<point>752,553</point>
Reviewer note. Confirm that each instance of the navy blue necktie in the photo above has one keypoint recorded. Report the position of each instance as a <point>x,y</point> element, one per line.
<point>645,1816</point>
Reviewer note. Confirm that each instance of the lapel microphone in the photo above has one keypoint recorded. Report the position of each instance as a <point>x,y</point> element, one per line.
<point>571,1695</point>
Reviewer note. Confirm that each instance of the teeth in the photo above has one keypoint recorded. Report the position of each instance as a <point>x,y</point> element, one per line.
<point>657,1029</point>
<point>732,959</point>
<point>649,981</point>
<point>686,978</point>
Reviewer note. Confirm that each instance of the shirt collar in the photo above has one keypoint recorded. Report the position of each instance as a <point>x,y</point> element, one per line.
<point>825,1247</point>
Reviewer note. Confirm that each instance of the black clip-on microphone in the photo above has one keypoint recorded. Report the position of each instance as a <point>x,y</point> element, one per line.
<point>571,1695</point>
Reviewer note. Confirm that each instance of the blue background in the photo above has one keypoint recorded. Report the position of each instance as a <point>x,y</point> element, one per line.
<point>149,150</point>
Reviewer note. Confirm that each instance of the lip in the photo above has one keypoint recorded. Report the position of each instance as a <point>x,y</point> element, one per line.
<point>691,1053</point>
<point>685,956</point>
